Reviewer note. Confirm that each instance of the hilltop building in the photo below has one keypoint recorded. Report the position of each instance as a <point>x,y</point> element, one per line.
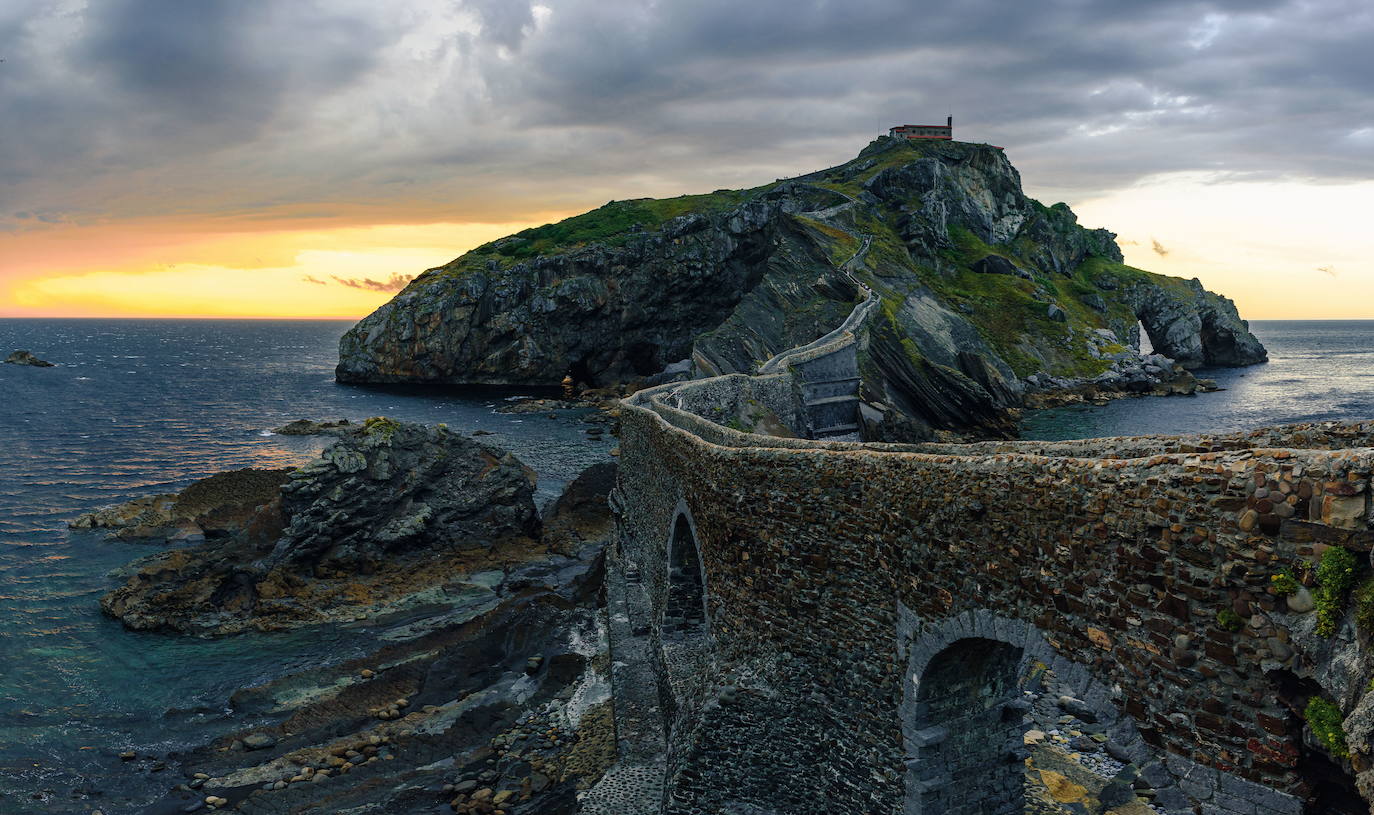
<point>944,131</point>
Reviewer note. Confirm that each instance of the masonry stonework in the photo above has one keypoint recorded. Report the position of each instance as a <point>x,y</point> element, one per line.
<point>835,574</point>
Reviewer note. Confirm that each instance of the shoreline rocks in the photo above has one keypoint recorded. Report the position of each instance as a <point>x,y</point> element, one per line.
<point>27,358</point>
<point>308,427</point>
<point>215,507</point>
<point>500,708</point>
<point>386,517</point>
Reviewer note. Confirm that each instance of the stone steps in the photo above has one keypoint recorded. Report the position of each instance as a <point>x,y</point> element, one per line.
<point>832,400</point>
<point>635,785</point>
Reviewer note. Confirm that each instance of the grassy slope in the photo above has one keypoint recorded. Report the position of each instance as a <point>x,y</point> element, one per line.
<point>1005,309</point>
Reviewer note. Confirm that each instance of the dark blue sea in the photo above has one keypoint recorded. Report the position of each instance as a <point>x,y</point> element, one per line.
<point>144,406</point>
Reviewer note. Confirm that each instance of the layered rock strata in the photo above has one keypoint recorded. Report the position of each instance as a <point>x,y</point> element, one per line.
<point>386,513</point>
<point>980,287</point>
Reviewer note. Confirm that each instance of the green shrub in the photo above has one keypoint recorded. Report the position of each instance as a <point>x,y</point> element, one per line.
<point>1335,576</point>
<point>1229,620</point>
<point>1284,583</point>
<point>1326,722</point>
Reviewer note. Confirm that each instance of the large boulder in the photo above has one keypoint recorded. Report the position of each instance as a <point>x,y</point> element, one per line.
<point>390,511</point>
<point>391,486</point>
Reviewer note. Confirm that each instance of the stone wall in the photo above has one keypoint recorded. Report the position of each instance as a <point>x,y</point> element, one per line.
<point>825,563</point>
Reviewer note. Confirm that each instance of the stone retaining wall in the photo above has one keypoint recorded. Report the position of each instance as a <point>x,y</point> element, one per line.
<point>824,562</point>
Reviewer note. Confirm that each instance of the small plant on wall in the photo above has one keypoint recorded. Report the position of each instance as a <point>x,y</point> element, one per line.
<point>1326,722</point>
<point>1229,620</point>
<point>1335,576</point>
<point>1364,606</point>
<point>1284,583</point>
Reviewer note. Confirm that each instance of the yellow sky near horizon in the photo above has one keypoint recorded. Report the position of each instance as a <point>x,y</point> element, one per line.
<point>1280,249</point>
<point>181,269</point>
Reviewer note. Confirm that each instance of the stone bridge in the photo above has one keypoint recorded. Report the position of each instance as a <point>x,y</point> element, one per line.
<point>818,626</point>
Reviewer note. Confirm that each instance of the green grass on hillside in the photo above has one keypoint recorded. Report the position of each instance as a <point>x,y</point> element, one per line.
<point>612,224</point>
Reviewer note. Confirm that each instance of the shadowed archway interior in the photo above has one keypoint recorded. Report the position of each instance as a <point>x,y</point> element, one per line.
<point>966,758</point>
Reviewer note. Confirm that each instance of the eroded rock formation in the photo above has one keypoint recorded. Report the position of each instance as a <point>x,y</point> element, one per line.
<point>981,288</point>
<point>390,510</point>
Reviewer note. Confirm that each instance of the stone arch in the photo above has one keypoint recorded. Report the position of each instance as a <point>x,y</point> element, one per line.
<point>978,659</point>
<point>968,730</point>
<point>1327,785</point>
<point>683,630</point>
<point>684,618</point>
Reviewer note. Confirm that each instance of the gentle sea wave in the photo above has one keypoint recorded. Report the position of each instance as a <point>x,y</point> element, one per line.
<point>1318,370</point>
<point>144,406</point>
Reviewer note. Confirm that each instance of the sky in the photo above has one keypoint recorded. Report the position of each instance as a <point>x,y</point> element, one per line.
<point>304,158</point>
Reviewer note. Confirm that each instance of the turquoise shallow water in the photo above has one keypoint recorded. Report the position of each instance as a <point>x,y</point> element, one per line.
<point>137,407</point>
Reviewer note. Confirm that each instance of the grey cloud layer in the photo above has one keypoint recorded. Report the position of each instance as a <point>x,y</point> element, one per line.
<point>158,106</point>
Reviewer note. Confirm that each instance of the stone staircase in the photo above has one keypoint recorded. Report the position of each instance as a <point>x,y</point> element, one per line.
<point>635,785</point>
<point>831,401</point>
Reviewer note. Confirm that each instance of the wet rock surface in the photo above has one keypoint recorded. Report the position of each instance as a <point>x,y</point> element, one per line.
<point>309,427</point>
<point>389,513</point>
<point>219,506</point>
<point>503,711</point>
<point>491,699</point>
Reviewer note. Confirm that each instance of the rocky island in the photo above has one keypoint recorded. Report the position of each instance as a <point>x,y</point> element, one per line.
<point>985,299</point>
<point>27,358</point>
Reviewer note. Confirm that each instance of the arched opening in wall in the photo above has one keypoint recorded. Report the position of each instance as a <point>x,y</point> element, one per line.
<point>684,611</point>
<point>966,740</point>
<point>1327,787</point>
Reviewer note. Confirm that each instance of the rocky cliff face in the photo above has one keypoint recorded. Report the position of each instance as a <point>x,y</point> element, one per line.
<point>982,289</point>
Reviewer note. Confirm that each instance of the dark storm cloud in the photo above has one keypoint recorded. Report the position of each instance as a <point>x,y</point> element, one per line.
<point>122,85</point>
<point>220,63</point>
<point>471,105</point>
<point>1101,92</point>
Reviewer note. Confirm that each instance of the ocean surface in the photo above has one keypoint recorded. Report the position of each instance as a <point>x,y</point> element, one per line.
<point>1318,370</point>
<point>146,406</point>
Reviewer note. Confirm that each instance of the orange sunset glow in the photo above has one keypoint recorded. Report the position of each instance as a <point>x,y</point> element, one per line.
<point>172,269</point>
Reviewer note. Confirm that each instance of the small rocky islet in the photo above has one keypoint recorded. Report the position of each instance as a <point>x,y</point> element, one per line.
<point>27,358</point>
